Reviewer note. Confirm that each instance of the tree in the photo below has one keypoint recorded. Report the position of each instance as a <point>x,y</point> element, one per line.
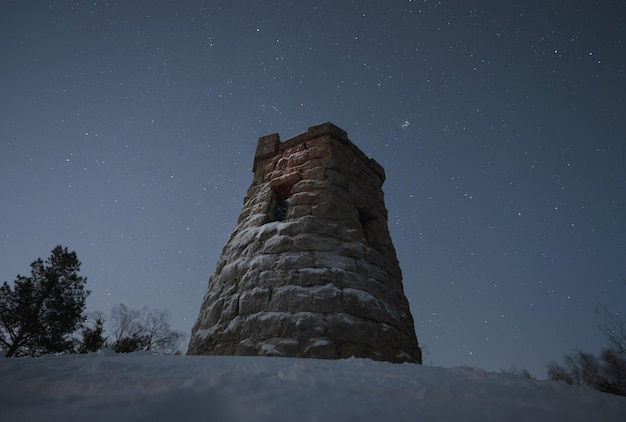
<point>127,330</point>
<point>39,314</point>
<point>605,373</point>
<point>143,330</point>
<point>518,372</point>
<point>614,327</point>
<point>92,334</point>
<point>159,336</point>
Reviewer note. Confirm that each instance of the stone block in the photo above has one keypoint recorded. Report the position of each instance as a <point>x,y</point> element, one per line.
<point>315,299</point>
<point>320,348</point>
<point>254,300</point>
<point>278,244</point>
<point>347,328</point>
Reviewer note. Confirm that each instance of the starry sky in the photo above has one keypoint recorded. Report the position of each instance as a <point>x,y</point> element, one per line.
<point>128,130</point>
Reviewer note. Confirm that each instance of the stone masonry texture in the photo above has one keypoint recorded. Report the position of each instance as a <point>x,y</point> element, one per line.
<point>310,269</point>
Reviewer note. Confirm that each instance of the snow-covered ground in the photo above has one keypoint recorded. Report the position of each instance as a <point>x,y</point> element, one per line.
<point>143,387</point>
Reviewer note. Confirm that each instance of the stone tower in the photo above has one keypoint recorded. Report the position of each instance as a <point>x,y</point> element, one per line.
<point>310,269</point>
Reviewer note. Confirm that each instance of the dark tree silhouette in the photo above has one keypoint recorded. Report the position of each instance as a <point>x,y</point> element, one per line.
<point>605,373</point>
<point>614,327</point>
<point>92,334</point>
<point>39,314</point>
<point>143,330</point>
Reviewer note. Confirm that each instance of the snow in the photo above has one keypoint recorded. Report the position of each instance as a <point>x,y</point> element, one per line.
<point>270,349</point>
<point>362,296</point>
<point>319,342</point>
<point>143,387</point>
<point>321,291</point>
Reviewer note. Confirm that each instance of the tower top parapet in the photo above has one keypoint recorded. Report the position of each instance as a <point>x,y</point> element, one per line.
<point>270,146</point>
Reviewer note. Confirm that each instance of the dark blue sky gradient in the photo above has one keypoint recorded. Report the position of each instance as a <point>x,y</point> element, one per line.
<point>128,129</point>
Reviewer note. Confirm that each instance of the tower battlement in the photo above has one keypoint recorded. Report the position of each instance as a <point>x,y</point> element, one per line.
<point>270,145</point>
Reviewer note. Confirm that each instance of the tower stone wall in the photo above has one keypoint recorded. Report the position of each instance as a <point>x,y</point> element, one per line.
<point>310,269</point>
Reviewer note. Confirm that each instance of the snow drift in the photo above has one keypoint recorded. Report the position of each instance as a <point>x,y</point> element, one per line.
<point>143,387</point>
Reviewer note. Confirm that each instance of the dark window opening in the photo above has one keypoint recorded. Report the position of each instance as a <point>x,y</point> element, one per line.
<point>279,206</point>
<point>366,218</point>
<point>282,206</point>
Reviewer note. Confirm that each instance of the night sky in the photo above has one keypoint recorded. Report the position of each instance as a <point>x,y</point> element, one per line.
<point>128,131</point>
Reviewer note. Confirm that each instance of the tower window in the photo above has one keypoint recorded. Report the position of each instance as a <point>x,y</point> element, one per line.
<point>279,206</point>
<point>282,206</point>
<point>366,218</point>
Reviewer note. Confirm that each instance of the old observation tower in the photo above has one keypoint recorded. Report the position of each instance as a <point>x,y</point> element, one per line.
<point>310,269</point>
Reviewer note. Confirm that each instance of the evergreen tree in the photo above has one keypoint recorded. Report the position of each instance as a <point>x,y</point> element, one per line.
<point>39,314</point>
<point>92,334</point>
